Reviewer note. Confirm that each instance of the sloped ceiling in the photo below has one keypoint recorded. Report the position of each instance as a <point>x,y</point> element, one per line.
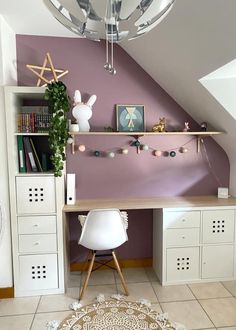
<point>196,38</point>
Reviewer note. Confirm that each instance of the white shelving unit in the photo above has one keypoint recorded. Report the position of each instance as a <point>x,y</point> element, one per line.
<point>36,199</point>
<point>194,244</point>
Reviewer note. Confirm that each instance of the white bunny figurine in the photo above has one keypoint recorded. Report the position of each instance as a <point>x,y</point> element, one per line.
<point>82,112</point>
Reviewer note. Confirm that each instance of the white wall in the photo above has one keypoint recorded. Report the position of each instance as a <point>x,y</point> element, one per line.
<point>7,77</point>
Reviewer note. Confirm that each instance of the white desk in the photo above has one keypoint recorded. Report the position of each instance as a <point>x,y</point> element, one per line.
<point>186,245</point>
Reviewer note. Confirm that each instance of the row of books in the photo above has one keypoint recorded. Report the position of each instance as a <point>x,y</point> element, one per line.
<point>29,160</point>
<point>31,122</point>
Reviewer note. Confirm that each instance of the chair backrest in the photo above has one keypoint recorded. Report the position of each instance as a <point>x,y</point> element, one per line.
<point>103,229</point>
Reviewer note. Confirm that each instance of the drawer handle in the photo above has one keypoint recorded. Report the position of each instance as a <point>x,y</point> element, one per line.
<point>36,225</point>
<point>183,220</point>
<point>36,243</point>
<point>183,237</point>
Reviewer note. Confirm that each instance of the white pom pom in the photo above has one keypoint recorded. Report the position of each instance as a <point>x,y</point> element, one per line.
<point>144,302</point>
<point>52,325</point>
<point>118,296</point>
<point>69,141</point>
<point>75,305</point>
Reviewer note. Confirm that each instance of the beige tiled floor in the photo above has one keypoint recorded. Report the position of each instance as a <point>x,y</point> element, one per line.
<point>198,306</point>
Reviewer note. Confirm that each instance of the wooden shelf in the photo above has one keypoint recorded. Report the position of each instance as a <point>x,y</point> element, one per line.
<point>33,134</point>
<point>146,133</point>
<point>136,135</point>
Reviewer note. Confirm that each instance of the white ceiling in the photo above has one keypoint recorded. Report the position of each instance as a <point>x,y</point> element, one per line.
<point>196,38</point>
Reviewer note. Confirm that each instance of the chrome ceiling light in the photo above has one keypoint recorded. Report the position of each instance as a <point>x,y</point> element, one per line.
<point>112,20</point>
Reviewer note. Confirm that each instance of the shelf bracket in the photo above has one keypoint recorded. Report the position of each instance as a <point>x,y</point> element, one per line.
<point>199,141</point>
<point>73,144</point>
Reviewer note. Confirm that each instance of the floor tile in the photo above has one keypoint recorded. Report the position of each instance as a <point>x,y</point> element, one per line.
<point>152,277</point>
<point>100,277</point>
<point>230,286</point>
<point>51,303</point>
<point>209,290</point>
<point>156,307</point>
<point>172,292</point>
<point>133,275</point>
<point>73,292</point>
<point>16,306</point>
<point>222,311</point>
<point>139,291</point>
<point>189,313</point>
<point>93,291</point>
<point>16,322</point>
<point>41,319</point>
<point>74,279</point>
<point>227,328</point>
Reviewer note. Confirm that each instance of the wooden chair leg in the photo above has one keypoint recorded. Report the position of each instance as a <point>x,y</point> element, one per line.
<point>120,273</point>
<point>88,275</point>
<point>86,261</point>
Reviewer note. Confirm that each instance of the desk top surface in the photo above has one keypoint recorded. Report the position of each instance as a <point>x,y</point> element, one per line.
<point>150,203</point>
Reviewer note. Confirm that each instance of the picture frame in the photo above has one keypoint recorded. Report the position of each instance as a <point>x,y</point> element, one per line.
<point>130,118</point>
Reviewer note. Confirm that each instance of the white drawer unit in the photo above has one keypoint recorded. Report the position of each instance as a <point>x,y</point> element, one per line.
<point>217,261</point>
<point>35,194</point>
<point>194,245</point>
<point>182,219</point>
<point>182,264</point>
<point>38,272</point>
<point>182,237</point>
<point>45,224</point>
<point>218,226</point>
<point>37,243</point>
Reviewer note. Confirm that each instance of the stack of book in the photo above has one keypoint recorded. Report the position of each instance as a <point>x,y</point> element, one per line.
<point>29,160</point>
<point>33,120</point>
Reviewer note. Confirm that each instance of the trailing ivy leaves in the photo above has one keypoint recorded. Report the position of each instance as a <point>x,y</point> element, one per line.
<point>58,105</point>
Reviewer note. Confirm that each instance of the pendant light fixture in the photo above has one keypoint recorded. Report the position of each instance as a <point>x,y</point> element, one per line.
<point>112,20</point>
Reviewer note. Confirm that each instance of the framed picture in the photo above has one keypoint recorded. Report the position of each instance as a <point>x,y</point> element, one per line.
<point>130,118</point>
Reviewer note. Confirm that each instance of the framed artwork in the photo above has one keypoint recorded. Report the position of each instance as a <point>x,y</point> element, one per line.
<point>130,118</point>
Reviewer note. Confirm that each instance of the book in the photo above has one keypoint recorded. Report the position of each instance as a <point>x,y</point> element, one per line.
<point>21,154</point>
<point>30,159</point>
<point>37,161</point>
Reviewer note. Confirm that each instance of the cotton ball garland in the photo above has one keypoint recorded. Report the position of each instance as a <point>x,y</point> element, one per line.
<point>70,140</point>
<point>145,147</point>
<point>111,154</point>
<point>82,148</point>
<point>124,151</point>
<point>157,153</point>
<point>183,150</point>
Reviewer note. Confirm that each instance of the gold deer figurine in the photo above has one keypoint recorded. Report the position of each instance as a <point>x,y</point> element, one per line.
<point>160,126</point>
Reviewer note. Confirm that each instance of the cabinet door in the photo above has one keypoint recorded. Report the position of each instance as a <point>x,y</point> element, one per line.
<point>182,264</point>
<point>38,272</point>
<point>35,194</point>
<point>217,261</point>
<point>218,226</point>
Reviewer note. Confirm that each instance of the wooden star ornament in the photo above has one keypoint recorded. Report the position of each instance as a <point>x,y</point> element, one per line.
<point>56,73</point>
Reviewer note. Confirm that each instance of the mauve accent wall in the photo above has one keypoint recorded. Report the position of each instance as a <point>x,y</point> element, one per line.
<point>132,175</point>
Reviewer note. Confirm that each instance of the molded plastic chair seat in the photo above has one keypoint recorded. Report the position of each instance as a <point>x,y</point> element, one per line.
<point>103,229</point>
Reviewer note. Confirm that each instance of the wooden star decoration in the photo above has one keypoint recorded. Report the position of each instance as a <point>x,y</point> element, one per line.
<point>57,73</point>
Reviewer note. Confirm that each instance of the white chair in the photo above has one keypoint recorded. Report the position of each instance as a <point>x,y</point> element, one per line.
<point>103,229</point>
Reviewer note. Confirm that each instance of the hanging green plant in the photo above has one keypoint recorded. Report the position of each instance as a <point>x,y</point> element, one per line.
<point>59,105</point>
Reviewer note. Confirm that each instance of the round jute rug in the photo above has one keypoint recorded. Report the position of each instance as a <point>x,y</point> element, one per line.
<point>116,315</point>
